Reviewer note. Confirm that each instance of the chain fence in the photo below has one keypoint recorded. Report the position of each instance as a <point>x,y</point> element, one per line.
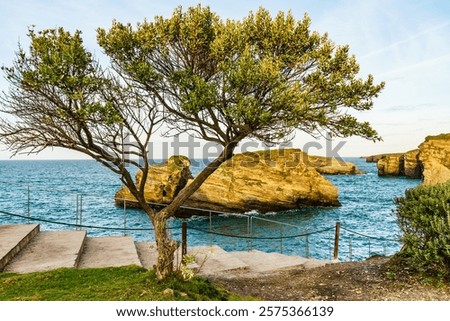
<point>55,209</point>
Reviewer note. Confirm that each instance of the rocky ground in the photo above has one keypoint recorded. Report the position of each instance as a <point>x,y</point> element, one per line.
<point>372,280</point>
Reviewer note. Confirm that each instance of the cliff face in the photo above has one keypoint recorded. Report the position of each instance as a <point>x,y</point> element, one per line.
<point>391,165</point>
<point>413,167</point>
<point>264,181</point>
<point>329,166</point>
<point>430,162</point>
<point>435,156</point>
<point>402,164</point>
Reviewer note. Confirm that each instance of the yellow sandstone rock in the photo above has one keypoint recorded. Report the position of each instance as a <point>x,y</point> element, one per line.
<point>163,183</point>
<point>265,181</point>
<point>430,162</point>
<point>435,156</point>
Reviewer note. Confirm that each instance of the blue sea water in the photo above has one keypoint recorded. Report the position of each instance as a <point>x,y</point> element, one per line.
<point>74,191</point>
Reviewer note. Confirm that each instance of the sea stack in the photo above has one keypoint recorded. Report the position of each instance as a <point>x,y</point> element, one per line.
<point>430,162</point>
<point>265,181</point>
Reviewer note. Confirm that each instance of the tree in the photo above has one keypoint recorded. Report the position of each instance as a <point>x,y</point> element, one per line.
<point>60,97</point>
<point>222,81</point>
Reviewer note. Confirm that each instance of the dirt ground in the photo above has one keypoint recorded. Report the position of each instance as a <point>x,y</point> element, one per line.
<point>371,280</point>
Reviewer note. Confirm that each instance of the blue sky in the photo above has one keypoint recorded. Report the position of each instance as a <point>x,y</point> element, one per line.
<point>404,43</point>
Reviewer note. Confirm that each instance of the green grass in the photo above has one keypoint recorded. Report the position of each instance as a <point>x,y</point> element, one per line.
<point>129,283</point>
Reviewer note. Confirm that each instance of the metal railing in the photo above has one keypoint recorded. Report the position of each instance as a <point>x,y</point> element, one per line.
<point>229,230</point>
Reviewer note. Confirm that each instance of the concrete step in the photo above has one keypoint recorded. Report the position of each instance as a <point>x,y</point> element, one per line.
<point>49,251</point>
<point>109,251</point>
<point>147,253</point>
<point>213,259</point>
<point>24,249</point>
<point>13,238</point>
<point>261,262</point>
<point>209,260</point>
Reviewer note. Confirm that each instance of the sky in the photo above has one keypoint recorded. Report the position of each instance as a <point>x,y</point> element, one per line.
<point>405,43</point>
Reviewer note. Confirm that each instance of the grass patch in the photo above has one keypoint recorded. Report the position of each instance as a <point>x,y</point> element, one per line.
<point>129,283</point>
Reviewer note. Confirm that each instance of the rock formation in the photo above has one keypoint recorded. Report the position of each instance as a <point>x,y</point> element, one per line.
<point>391,165</point>
<point>376,158</point>
<point>330,166</point>
<point>435,156</point>
<point>401,164</point>
<point>264,181</point>
<point>430,162</point>
<point>413,167</point>
<point>163,183</point>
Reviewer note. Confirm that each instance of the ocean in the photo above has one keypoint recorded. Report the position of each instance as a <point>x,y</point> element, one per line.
<point>82,192</point>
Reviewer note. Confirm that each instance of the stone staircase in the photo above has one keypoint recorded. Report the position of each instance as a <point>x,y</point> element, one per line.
<point>25,249</point>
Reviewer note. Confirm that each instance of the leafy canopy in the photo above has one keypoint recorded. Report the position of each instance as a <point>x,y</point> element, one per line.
<point>260,77</point>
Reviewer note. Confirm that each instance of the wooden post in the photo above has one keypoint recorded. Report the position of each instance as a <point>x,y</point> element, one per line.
<point>336,240</point>
<point>183,238</point>
<point>307,247</point>
<point>28,204</point>
<point>124,217</point>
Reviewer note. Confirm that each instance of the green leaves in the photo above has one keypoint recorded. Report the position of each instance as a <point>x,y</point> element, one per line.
<point>261,76</point>
<point>58,69</point>
<point>59,59</point>
<point>424,217</point>
<point>196,94</point>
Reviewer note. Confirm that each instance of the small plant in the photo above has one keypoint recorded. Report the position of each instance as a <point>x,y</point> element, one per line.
<point>424,217</point>
<point>186,272</point>
<point>391,275</point>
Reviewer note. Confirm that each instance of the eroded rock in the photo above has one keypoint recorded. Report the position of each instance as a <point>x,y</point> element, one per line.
<point>163,183</point>
<point>435,156</point>
<point>430,162</point>
<point>264,181</point>
<point>391,165</point>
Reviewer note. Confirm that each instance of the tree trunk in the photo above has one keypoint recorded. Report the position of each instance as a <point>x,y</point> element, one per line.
<point>165,245</point>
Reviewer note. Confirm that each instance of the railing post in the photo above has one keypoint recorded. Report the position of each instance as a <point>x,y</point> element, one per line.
<point>81,210</point>
<point>307,246</point>
<point>77,215</point>
<point>28,204</point>
<point>350,249</point>
<point>76,212</point>
<point>124,217</point>
<point>281,239</point>
<point>251,232</point>
<point>183,238</point>
<point>210,229</point>
<point>336,240</point>
<point>210,221</point>
<point>329,244</point>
